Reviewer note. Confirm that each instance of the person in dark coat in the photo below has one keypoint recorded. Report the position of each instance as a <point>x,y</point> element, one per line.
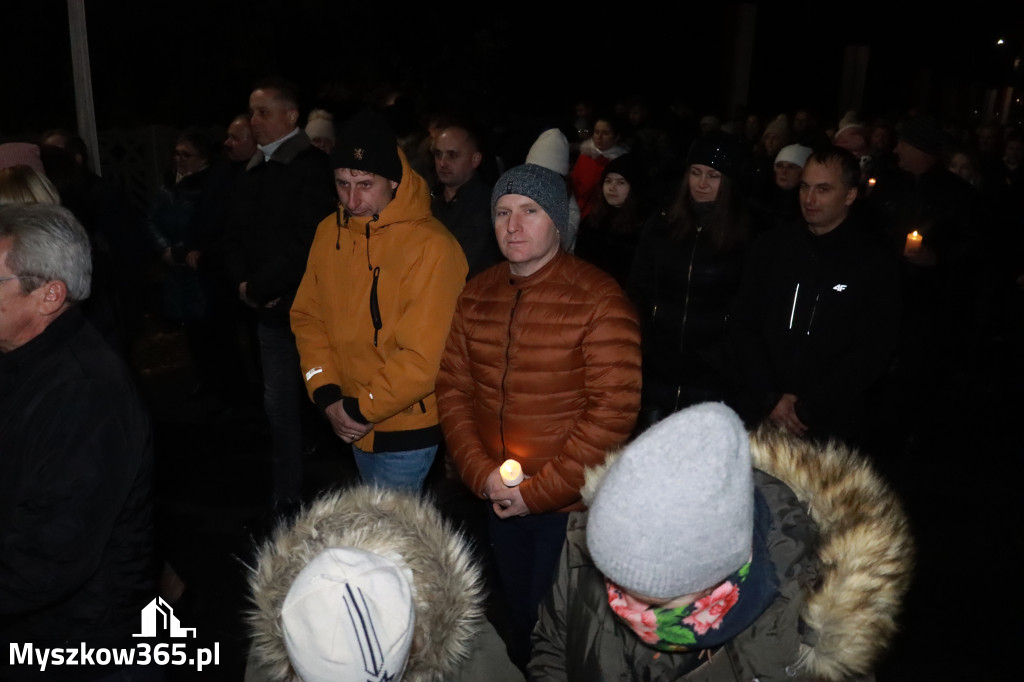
<point>186,224</point>
<point>781,203</point>
<point>685,275</point>
<point>461,200</point>
<point>609,235</point>
<point>815,322</point>
<point>286,190</point>
<point>76,528</point>
<point>932,222</point>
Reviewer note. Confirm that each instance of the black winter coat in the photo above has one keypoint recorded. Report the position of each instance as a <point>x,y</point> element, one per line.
<point>76,529</point>
<point>683,291</point>
<point>275,208</point>
<point>817,316</point>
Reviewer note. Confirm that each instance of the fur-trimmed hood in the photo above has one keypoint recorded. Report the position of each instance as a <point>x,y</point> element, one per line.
<point>865,549</point>
<point>447,583</point>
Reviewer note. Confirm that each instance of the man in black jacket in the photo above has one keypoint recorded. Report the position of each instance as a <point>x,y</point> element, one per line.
<point>462,200</point>
<point>816,317</point>
<point>76,527</point>
<point>286,190</point>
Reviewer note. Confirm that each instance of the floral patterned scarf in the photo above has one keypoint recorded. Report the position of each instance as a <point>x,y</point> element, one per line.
<point>714,619</point>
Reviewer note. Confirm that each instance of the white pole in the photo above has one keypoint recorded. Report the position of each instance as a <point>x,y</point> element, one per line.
<point>743,52</point>
<point>83,81</point>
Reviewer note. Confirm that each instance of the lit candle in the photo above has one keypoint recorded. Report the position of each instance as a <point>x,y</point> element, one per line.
<point>913,243</point>
<point>871,182</point>
<point>511,473</point>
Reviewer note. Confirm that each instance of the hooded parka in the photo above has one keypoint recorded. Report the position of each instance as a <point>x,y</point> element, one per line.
<point>843,554</point>
<point>414,269</point>
<point>452,640</point>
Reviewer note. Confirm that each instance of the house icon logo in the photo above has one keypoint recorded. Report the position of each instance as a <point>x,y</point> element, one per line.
<point>158,616</point>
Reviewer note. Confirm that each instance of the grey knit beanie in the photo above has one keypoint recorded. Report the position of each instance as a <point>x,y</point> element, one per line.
<point>675,514</point>
<point>543,185</point>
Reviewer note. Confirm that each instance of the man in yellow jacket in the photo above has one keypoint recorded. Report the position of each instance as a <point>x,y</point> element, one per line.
<point>375,305</point>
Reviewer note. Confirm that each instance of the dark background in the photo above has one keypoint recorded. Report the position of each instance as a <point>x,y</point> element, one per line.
<point>187,62</point>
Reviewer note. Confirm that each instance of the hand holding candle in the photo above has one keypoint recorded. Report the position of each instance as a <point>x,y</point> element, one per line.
<point>511,473</point>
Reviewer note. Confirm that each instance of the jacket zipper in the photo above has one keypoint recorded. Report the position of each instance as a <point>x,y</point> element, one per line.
<point>814,309</point>
<point>504,376</point>
<point>689,278</point>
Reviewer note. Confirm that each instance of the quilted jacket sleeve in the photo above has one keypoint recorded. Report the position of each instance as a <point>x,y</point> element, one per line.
<point>455,399</point>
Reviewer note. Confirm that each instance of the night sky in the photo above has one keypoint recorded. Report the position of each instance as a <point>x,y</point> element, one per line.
<point>194,61</point>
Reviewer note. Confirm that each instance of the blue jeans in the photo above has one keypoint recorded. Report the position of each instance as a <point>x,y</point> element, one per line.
<point>404,470</point>
<point>282,401</point>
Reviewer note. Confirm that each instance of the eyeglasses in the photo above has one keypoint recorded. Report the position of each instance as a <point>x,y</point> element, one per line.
<point>5,279</point>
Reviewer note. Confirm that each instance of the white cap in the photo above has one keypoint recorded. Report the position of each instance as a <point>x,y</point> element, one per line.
<point>349,616</point>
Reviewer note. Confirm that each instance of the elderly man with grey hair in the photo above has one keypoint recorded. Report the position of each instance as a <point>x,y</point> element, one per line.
<point>75,513</point>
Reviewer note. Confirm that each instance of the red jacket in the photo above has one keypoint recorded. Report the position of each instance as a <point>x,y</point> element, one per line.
<point>542,369</point>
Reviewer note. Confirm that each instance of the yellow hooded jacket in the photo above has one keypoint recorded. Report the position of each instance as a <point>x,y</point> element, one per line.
<point>420,271</point>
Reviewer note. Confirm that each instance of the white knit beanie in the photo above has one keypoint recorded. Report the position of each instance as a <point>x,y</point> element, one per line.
<point>796,154</point>
<point>675,514</point>
<point>320,124</point>
<point>550,150</point>
<point>367,635</point>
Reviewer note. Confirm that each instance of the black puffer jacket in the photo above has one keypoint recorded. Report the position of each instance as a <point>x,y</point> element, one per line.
<point>683,291</point>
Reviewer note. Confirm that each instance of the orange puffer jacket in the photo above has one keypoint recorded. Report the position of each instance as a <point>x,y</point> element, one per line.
<point>542,369</point>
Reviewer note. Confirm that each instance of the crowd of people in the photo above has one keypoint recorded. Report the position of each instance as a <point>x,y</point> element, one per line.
<point>664,356</point>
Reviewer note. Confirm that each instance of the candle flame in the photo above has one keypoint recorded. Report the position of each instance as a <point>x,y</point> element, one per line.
<point>914,234</point>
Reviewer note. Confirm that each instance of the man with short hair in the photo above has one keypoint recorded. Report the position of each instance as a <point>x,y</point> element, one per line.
<point>278,200</point>
<point>76,530</point>
<point>815,319</point>
<point>374,308</point>
<point>542,366</point>
<point>944,271</point>
<point>461,200</point>
<point>239,144</point>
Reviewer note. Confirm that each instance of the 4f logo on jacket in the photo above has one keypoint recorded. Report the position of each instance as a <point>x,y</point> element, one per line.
<point>839,287</point>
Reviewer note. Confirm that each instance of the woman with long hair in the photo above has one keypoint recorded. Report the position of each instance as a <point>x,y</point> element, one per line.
<point>24,185</point>
<point>608,236</point>
<point>685,275</point>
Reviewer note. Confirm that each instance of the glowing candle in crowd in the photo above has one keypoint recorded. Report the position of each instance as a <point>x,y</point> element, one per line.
<point>511,473</point>
<point>913,243</point>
